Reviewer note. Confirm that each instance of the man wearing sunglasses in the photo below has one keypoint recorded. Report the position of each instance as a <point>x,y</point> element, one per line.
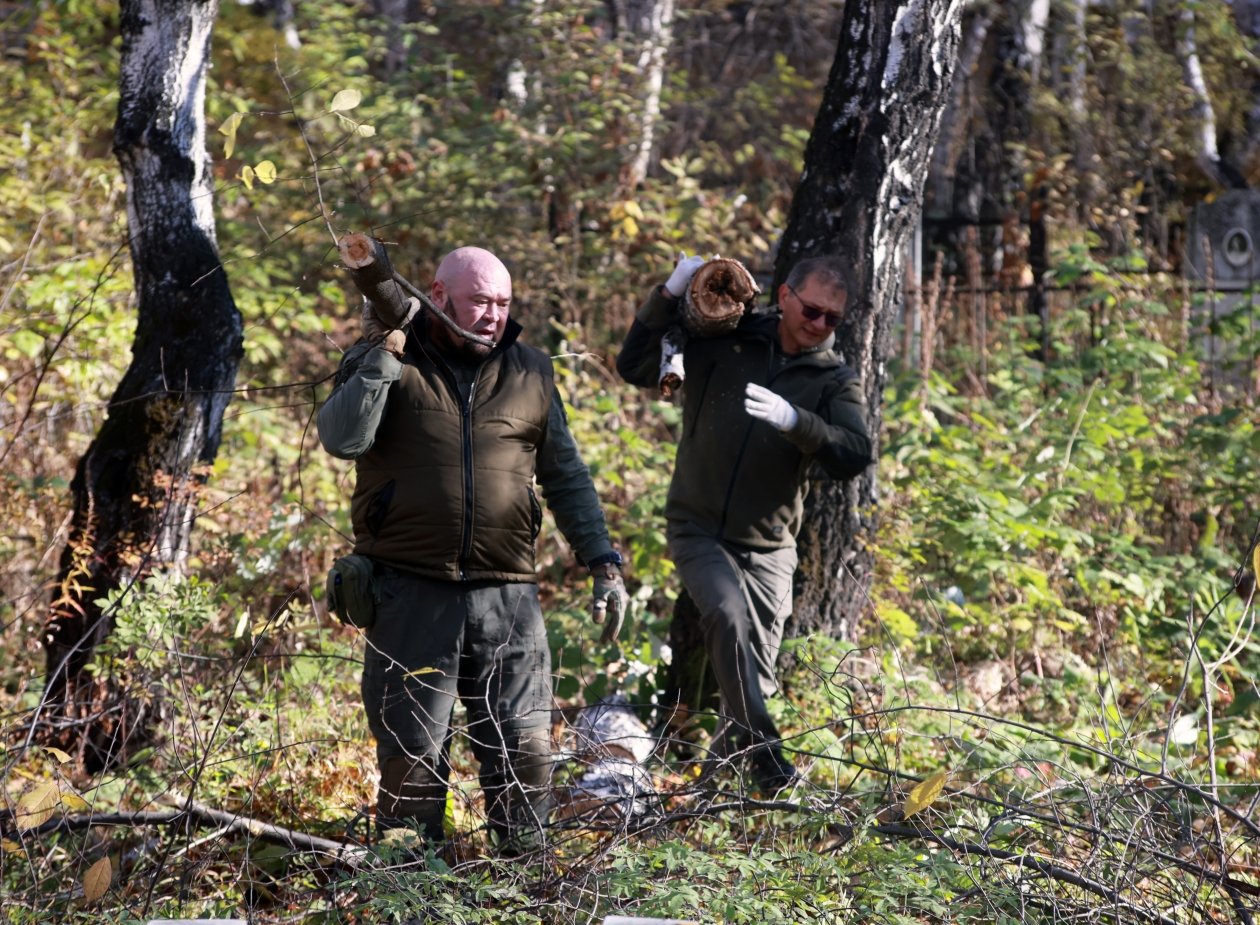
<point>449,420</point>
<point>765,407</point>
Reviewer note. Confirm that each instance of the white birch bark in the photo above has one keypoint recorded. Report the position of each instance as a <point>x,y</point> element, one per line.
<point>1208,155</point>
<point>135,489</point>
<point>861,195</point>
<point>652,23</point>
<point>1031,35</point>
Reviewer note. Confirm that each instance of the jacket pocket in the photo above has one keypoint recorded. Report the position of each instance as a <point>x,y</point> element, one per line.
<point>378,508</point>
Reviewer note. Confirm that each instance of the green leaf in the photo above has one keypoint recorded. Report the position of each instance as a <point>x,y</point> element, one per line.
<point>345,100</point>
<point>73,802</point>
<point>228,129</point>
<point>27,343</point>
<point>266,172</point>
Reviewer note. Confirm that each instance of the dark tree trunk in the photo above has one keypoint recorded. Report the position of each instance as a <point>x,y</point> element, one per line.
<point>396,16</point>
<point>135,489</point>
<point>860,195</point>
<point>689,690</point>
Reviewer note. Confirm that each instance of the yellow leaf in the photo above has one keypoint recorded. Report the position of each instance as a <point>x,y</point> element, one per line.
<point>365,131</point>
<point>632,209</point>
<point>247,176</point>
<point>11,847</point>
<point>420,671</point>
<point>266,172</point>
<point>96,880</point>
<point>346,99</point>
<point>36,806</point>
<point>1255,561</point>
<point>629,227</point>
<point>57,753</point>
<point>924,795</point>
<point>229,128</point>
<point>73,802</point>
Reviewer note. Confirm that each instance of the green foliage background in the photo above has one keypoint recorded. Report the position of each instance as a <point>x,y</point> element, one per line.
<point>1059,536</point>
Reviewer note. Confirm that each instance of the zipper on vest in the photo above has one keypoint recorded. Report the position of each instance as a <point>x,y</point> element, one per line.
<point>465,549</point>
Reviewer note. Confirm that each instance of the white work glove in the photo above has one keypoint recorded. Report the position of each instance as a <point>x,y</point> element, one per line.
<point>609,600</point>
<point>676,285</point>
<point>766,406</point>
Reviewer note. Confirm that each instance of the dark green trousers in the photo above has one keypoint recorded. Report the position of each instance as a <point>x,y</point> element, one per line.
<point>744,598</point>
<point>485,643</point>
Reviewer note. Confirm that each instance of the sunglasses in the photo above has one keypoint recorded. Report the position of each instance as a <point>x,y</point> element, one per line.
<point>813,313</point>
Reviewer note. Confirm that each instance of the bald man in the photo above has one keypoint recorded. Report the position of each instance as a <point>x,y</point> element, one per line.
<point>450,421</point>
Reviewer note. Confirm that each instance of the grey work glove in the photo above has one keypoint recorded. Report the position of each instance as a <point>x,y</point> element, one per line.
<point>766,406</point>
<point>678,281</point>
<point>609,601</point>
<point>376,332</point>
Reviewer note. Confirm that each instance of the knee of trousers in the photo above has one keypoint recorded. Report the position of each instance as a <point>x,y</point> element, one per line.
<point>528,757</point>
<point>518,793</point>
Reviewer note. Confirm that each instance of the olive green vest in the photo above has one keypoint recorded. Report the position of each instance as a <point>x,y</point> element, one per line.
<point>446,490</point>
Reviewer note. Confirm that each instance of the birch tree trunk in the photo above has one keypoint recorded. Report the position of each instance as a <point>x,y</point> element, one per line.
<point>1208,155</point>
<point>860,195</point>
<point>135,490</point>
<point>1031,36</point>
<point>951,196</point>
<point>650,22</point>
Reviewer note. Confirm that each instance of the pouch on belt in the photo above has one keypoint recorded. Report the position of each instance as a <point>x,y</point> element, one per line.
<point>352,591</point>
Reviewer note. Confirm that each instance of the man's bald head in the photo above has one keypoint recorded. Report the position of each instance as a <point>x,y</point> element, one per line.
<point>474,289</point>
<point>471,262</point>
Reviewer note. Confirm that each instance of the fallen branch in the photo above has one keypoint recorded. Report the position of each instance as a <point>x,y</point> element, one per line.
<point>1024,859</point>
<point>198,814</point>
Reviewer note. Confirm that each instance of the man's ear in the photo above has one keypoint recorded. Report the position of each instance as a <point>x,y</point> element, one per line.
<point>437,292</point>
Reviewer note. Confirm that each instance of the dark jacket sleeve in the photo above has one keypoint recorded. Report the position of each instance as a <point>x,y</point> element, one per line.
<point>568,489</point>
<point>835,435</point>
<point>347,422</point>
<point>639,361</point>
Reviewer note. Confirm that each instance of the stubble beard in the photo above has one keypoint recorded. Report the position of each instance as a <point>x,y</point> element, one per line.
<point>456,344</point>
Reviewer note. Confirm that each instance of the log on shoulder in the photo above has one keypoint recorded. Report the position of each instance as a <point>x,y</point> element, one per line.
<point>369,266</point>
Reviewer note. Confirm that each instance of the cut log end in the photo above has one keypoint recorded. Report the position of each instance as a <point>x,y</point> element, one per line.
<point>357,250</point>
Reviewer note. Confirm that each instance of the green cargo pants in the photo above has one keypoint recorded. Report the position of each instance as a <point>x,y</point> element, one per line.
<point>744,597</point>
<point>485,643</point>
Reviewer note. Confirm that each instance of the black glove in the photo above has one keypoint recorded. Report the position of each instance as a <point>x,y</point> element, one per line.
<point>609,601</point>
